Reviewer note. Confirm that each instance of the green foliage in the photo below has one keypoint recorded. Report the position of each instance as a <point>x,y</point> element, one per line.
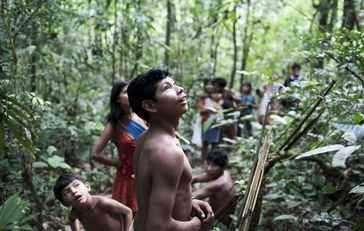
<point>12,215</point>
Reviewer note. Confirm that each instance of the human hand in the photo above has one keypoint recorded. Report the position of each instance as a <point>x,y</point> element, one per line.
<point>196,224</point>
<point>203,210</point>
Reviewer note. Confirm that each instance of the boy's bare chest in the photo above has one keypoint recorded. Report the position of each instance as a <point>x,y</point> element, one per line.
<point>99,220</point>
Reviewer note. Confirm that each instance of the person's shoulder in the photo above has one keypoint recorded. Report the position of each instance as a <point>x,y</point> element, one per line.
<point>101,201</point>
<point>74,214</point>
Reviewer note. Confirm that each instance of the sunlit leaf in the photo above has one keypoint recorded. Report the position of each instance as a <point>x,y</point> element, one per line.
<point>329,148</point>
<point>285,217</point>
<point>340,157</point>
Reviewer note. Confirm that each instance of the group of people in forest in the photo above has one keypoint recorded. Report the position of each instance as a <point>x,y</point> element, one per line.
<point>153,187</point>
<point>208,132</point>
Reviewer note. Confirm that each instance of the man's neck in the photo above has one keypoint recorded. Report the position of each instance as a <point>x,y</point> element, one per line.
<point>164,124</point>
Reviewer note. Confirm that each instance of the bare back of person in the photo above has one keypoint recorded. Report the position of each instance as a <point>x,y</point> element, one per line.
<point>222,191</point>
<point>98,217</point>
<point>148,159</point>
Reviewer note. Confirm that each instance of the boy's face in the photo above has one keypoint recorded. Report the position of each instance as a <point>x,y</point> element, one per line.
<point>246,89</point>
<point>76,193</point>
<point>213,169</point>
<point>171,101</point>
<point>209,88</point>
<point>217,88</point>
<point>296,71</point>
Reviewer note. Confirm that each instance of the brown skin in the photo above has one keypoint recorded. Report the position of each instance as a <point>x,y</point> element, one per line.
<point>97,153</point>
<point>163,173</point>
<point>94,212</point>
<point>219,187</point>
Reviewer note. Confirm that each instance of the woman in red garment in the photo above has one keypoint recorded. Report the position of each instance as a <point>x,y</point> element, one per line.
<point>123,128</point>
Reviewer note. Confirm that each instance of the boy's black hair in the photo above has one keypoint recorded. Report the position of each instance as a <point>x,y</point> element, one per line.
<point>62,182</point>
<point>295,66</point>
<point>218,157</point>
<point>144,87</point>
<point>248,84</point>
<point>220,81</point>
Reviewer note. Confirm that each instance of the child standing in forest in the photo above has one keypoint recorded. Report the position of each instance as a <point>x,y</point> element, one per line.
<point>247,101</point>
<point>94,212</point>
<point>208,105</point>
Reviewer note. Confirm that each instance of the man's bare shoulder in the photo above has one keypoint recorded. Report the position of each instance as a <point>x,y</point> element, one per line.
<point>160,144</point>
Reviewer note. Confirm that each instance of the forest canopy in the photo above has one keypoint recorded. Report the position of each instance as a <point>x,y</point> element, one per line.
<point>59,60</point>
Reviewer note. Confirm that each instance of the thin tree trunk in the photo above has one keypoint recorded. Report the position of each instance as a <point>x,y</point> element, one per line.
<point>139,44</point>
<point>246,44</point>
<point>214,41</point>
<point>169,27</point>
<point>28,181</point>
<point>115,40</point>
<point>350,19</point>
<point>333,17</point>
<point>33,78</point>
<point>235,55</point>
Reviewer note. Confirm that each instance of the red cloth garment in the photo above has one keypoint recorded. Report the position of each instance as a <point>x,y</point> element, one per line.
<point>124,184</point>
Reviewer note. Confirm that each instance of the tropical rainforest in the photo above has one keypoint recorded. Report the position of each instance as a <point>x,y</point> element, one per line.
<point>59,60</point>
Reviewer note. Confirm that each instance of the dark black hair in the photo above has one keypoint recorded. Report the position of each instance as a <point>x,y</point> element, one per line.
<point>116,113</point>
<point>206,81</point>
<point>144,87</point>
<point>62,182</point>
<point>248,84</point>
<point>218,157</point>
<point>220,81</point>
<point>295,66</point>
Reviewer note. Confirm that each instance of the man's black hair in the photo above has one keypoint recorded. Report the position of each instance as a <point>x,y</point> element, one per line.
<point>62,182</point>
<point>144,87</point>
<point>218,157</point>
<point>220,81</point>
<point>295,66</point>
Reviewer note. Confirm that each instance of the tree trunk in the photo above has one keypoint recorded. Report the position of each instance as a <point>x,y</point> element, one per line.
<point>115,40</point>
<point>246,44</point>
<point>214,39</point>
<point>349,20</point>
<point>168,31</point>
<point>235,55</point>
<point>33,84</point>
<point>139,43</point>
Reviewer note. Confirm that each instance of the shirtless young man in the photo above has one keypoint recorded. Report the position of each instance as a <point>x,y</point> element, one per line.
<point>219,187</point>
<point>94,212</point>
<point>163,173</point>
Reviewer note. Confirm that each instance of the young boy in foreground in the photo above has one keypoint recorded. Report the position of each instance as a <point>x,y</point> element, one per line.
<point>219,187</point>
<point>94,212</point>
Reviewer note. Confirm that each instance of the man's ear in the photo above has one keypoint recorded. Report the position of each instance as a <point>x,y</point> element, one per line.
<point>88,186</point>
<point>149,105</point>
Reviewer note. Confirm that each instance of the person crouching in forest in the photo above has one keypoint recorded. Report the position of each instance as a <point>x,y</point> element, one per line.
<point>94,212</point>
<point>162,171</point>
<point>219,187</point>
<point>247,102</point>
<point>123,128</point>
<point>208,105</point>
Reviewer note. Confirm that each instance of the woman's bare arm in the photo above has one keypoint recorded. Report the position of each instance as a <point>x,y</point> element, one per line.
<point>98,154</point>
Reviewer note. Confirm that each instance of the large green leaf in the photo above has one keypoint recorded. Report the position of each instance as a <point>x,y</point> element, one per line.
<point>11,211</point>
<point>359,189</point>
<point>328,148</point>
<point>285,217</point>
<point>340,157</point>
